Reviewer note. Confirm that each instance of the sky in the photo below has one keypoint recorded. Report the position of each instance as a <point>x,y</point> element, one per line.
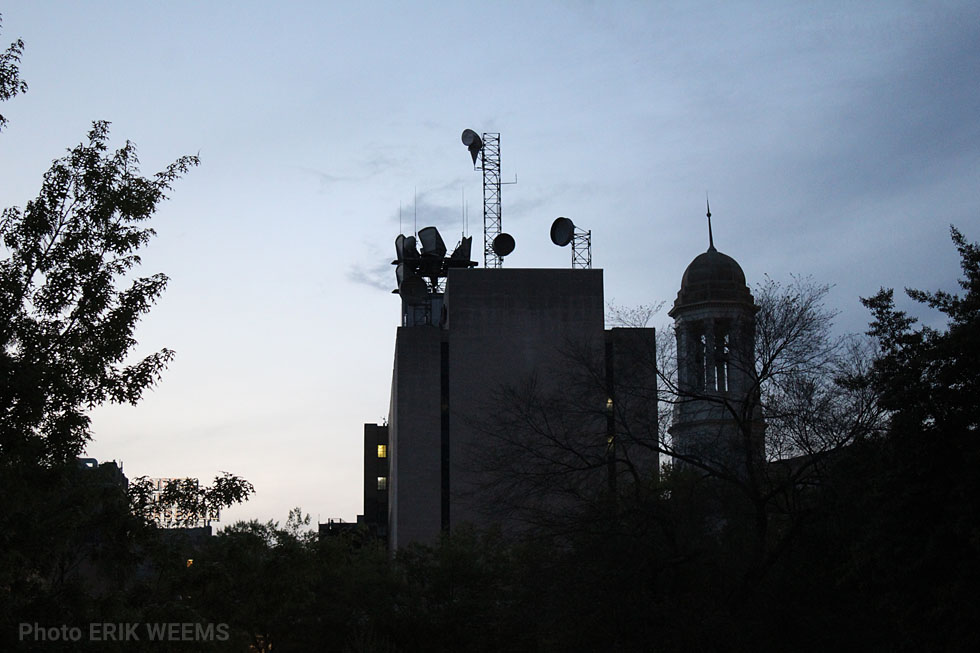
<point>837,140</point>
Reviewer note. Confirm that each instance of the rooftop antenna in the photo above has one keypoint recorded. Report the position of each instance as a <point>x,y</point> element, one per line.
<point>711,239</point>
<point>564,231</point>
<point>486,149</point>
<point>416,208</point>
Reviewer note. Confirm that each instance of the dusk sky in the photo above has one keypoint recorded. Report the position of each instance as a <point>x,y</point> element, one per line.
<point>836,139</point>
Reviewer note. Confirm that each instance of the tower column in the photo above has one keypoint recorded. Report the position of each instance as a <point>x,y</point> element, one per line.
<point>714,317</point>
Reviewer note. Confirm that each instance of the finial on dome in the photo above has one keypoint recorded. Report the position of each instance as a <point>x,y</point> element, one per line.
<point>711,240</point>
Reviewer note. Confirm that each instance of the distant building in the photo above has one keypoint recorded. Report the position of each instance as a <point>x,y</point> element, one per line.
<point>376,476</point>
<point>336,527</point>
<point>718,406</point>
<point>109,474</point>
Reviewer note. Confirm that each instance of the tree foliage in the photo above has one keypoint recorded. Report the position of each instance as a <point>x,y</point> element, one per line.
<point>72,548</point>
<point>68,304</point>
<point>184,502</point>
<point>10,82</point>
<point>637,317</point>
<point>928,377</point>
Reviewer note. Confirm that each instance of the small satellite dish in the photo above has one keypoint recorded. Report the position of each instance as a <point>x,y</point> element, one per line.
<point>562,230</point>
<point>413,289</point>
<point>473,143</point>
<point>472,139</point>
<point>503,245</point>
<point>432,244</point>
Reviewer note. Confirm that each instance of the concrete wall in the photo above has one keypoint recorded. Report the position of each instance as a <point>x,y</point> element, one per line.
<point>504,325</point>
<point>414,490</point>
<point>631,354</point>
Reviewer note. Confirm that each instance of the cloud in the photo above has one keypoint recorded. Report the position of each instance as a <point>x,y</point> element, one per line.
<point>428,209</point>
<point>372,165</point>
<point>381,275</point>
<point>379,161</point>
<point>910,123</point>
<point>324,178</point>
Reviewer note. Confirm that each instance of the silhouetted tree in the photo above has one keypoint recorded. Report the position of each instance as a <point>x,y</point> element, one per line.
<point>185,502</point>
<point>634,317</point>
<point>67,315</point>
<point>909,506</point>
<point>10,82</point>
<point>69,305</point>
<point>929,378</point>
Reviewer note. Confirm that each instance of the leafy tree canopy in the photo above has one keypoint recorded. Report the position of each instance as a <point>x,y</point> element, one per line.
<point>68,306</point>
<point>931,378</point>
<point>10,82</point>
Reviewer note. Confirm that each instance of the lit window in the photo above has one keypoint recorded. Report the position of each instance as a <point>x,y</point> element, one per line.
<point>382,451</point>
<point>382,482</point>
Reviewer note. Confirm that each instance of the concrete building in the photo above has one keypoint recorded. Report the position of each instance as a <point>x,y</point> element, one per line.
<point>496,330</point>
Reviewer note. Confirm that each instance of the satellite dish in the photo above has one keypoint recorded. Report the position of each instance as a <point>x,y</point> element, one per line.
<point>473,143</point>
<point>503,245</point>
<point>470,138</point>
<point>413,289</point>
<point>562,230</point>
<point>432,244</point>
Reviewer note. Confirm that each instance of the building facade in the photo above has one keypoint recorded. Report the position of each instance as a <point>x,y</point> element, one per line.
<point>498,329</point>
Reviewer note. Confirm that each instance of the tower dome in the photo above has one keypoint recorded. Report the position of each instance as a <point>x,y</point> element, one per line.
<point>712,277</point>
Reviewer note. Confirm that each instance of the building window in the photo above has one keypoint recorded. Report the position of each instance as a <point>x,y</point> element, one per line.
<point>720,356</point>
<point>382,451</point>
<point>382,482</point>
<point>724,365</point>
<point>702,369</point>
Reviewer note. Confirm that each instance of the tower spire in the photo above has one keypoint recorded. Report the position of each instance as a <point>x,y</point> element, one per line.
<point>711,239</point>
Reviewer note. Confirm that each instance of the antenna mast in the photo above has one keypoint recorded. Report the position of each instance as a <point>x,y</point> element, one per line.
<point>490,164</point>
<point>564,231</point>
<point>487,150</point>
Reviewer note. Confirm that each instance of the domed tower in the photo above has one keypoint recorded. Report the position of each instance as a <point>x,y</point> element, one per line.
<point>717,417</point>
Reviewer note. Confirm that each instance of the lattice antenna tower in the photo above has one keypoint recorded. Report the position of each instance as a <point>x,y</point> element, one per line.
<point>582,249</point>
<point>490,164</point>
<point>485,151</point>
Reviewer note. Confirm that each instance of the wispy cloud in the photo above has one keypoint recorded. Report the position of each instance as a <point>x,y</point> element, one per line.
<point>324,178</point>
<point>380,275</point>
